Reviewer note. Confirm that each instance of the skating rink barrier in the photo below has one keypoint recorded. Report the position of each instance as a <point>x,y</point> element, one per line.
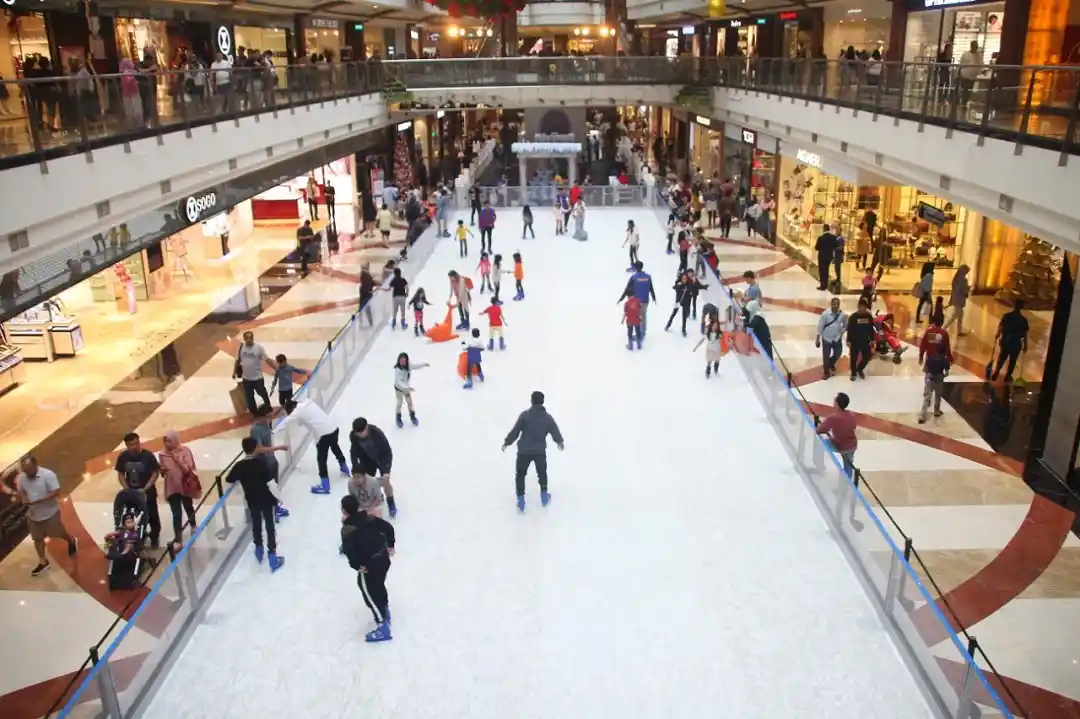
<point>955,675</point>
<point>541,198</point>
<point>123,673</point>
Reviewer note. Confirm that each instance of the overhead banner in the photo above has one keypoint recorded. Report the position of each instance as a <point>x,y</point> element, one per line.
<point>716,8</point>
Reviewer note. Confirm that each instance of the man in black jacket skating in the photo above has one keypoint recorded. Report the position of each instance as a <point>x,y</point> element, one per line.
<point>369,450</point>
<point>368,543</point>
<point>533,427</point>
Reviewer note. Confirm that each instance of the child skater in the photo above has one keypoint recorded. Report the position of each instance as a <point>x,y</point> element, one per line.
<point>562,212</point>
<point>519,276</point>
<point>671,227</point>
<point>254,476</point>
<point>474,349</point>
<point>496,322</point>
<point>368,491</point>
<point>417,303</point>
<point>484,268</point>
<point>368,543</point>
<point>263,431</point>
<point>403,387</point>
<point>399,289</point>
<point>283,378</point>
<point>633,239</point>
<point>632,320</point>
<point>684,251</point>
<point>714,336</point>
<point>496,279</point>
<point>463,234</point>
<point>527,219</point>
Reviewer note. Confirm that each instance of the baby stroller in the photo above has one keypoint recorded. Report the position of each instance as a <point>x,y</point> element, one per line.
<point>885,340</point>
<point>124,545</point>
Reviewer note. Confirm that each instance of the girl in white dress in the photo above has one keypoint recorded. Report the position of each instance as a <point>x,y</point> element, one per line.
<point>714,346</point>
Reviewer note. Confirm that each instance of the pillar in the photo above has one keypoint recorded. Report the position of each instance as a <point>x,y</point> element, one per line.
<point>523,169</point>
<point>897,33</point>
<point>571,162</point>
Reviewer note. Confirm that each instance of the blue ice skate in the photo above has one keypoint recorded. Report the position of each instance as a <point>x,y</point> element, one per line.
<point>491,344</point>
<point>323,487</point>
<point>381,633</point>
<point>393,324</point>
<point>519,296</point>
<point>545,498</point>
<point>480,376</point>
<point>413,419</point>
<point>631,268</point>
<point>630,346</point>
<point>398,421</point>
<point>639,343</point>
<point>276,561</point>
<point>521,503</point>
<point>280,513</point>
<point>502,343</point>
<point>344,470</point>
<point>404,325</point>
<point>467,385</point>
<point>258,554</point>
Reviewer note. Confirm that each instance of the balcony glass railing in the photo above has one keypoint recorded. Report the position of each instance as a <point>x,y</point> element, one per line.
<point>1036,105</point>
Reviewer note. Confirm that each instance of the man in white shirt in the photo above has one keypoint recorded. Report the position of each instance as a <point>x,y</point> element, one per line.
<point>39,490</point>
<point>311,416</point>
<point>221,79</point>
<point>970,67</point>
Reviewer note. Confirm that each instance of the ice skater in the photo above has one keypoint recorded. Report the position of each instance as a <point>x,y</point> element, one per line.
<point>368,543</point>
<point>579,221</point>
<point>684,250</point>
<point>640,286</point>
<point>484,268</point>
<point>254,476</point>
<point>418,302</point>
<point>462,234</point>
<point>370,452</point>
<point>368,491</point>
<point>632,320</point>
<point>672,225</point>
<point>399,290</point>
<point>403,388</point>
<point>461,295</point>
<point>313,417</point>
<point>714,349</point>
<point>283,378</point>
<point>531,432</point>
<point>496,279</point>
<point>496,322</point>
<point>562,211</point>
<point>486,220</point>
<point>473,348</point>
<point>633,240</point>
<point>519,276</point>
<point>263,432</point>
<point>527,222</point>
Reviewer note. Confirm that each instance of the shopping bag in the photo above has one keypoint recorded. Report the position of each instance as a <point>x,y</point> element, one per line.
<point>236,394</point>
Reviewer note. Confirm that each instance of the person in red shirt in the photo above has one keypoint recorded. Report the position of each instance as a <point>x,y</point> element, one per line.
<point>575,194</point>
<point>632,320</point>
<point>840,426</point>
<point>623,179</point>
<point>496,322</point>
<point>935,356</point>
<point>935,341</point>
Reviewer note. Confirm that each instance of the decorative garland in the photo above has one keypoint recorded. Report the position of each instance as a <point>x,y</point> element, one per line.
<point>546,148</point>
<point>479,8</point>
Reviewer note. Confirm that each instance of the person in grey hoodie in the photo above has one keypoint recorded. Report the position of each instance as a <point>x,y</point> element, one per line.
<point>961,290</point>
<point>830,336</point>
<point>530,432</point>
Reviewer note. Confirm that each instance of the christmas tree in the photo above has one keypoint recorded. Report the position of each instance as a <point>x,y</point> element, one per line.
<point>1034,278</point>
<point>403,169</point>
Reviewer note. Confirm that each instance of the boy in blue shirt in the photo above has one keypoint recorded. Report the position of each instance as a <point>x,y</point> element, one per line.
<point>474,350</point>
<point>283,379</point>
<point>640,286</point>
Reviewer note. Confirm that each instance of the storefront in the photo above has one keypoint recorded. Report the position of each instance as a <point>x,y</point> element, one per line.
<point>324,36</point>
<point>287,203</point>
<point>275,39</point>
<point>706,143</point>
<point>750,160</point>
<point>865,27</point>
<point>933,24</point>
<point>789,34</point>
<point>25,43</point>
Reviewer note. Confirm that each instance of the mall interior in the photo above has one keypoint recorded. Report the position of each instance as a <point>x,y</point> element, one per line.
<point>135,324</point>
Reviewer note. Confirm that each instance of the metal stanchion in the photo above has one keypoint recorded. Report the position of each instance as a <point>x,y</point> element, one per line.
<point>110,700</point>
<point>965,707</point>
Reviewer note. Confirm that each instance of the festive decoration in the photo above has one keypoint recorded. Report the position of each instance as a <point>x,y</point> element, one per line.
<point>716,8</point>
<point>403,169</point>
<point>546,148</point>
<point>479,8</point>
<point>1034,279</point>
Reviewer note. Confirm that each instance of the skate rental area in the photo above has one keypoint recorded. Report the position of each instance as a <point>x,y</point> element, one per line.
<point>681,570</point>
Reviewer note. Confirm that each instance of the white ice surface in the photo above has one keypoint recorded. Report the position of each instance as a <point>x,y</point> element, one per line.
<point>681,571</point>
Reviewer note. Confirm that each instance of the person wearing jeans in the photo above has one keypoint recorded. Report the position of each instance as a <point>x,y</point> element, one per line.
<point>311,416</point>
<point>640,286</point>
<point>840,426</point>
<point>860,338</point>
<point>830,336</point>
<point>253,474</point>
<point>531,432</point>
<point>486,219</point>
<point>181,481</point>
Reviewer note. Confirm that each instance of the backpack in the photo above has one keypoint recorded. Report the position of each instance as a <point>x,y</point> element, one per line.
<point>936,365</point>
<point>468,283</point>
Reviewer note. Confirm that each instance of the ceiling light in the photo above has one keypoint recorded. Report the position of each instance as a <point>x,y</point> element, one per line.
<point>585,31</point>
<point>577,31</point>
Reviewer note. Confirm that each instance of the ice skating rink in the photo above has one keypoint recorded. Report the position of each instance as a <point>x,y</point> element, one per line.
<point>681,571</point>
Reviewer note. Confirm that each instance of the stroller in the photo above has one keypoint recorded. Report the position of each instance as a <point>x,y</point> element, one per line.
<point>124,546</point>
<point>885,340</point>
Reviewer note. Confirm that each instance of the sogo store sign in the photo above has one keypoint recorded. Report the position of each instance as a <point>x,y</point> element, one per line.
<point>198,207</point>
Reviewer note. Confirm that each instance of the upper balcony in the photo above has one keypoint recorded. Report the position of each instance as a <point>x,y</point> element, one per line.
<point>556,13</point>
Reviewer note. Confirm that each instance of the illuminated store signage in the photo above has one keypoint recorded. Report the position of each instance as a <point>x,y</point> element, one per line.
<point>404,126</point>
<point>735,23</point>
<point>808,158</point>
<point>196,206</point>
<point>789,16</point>
<point>749,137</point>
<point>323,23</point>
<point>702,120</point>
<point>915,5</point>
<point>223,41</point>
<point>688,30</point>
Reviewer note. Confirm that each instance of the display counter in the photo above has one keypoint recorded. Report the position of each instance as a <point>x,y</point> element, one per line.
<point>12,369</point>
<point>32,340</point>
<point>67,338</point>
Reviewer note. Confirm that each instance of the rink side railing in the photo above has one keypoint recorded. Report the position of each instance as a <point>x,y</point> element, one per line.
<point>946,660</point>
<point>116,679</point>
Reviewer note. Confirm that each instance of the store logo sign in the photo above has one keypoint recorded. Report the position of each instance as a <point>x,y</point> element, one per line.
<point>808,158</point>
<point>749,137</point>
<point>197,205</point>
<point>946,3</point>
<point>224,41</point>
<point>324,23</point>
<point>736,23</point>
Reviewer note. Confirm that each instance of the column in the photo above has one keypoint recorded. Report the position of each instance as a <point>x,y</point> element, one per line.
<point>523,169</point>
<point>571,162</point>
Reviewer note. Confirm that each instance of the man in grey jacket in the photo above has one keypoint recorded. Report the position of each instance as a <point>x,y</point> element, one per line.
<point>533,427</point>
<point>830,336</point>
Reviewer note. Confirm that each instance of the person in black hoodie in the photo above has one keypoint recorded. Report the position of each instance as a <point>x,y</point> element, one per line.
<point>826,250</point>
<point>368,543</point>
<point>533,427</point>
<point>254,475</point>
<point>370,451</point>
<point>860,338</point>
<point>686,290</point>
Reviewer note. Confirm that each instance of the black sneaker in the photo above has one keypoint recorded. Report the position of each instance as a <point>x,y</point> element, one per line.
<point>861,375</point>
<point>73,546</point>
<point>39,569</point>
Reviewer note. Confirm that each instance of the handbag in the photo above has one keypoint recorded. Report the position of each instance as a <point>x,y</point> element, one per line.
<point>190,486</point>
<point>238,372</point>
<point>916,290</point>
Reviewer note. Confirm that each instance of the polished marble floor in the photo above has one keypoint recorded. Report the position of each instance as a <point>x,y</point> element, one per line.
<point>167,367</point>
<point>1003,558</point>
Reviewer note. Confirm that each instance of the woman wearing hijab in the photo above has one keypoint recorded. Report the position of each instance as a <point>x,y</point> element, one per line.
<point>182,485</point>
<point>961,290</point>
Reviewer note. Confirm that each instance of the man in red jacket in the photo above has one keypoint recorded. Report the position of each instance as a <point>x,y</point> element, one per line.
<point>937,353</point>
